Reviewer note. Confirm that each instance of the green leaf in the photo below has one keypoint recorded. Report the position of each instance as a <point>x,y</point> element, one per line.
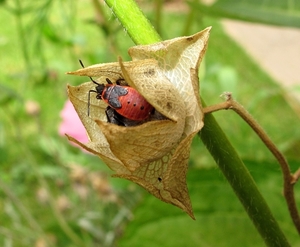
<point>280,12</point>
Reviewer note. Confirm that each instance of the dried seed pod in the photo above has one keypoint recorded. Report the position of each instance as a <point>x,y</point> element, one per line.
<point>154,153</point>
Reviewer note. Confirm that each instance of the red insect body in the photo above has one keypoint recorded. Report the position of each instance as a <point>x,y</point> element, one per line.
<point>122,100</point>
<point>130,105</point>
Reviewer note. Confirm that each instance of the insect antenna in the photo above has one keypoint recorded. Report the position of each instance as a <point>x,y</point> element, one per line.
<point>81,63</point>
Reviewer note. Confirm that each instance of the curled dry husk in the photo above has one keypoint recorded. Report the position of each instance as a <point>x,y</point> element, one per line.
<point>154,154</point>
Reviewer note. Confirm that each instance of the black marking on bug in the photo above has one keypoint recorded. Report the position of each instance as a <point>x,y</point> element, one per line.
<point>159,179</point>
<point>112,95</point>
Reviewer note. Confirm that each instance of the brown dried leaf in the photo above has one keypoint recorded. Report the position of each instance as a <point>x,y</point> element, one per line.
<point>145,143</point>
<point>153,154</point>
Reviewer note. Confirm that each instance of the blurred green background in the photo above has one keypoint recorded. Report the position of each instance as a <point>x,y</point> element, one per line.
<point>53,194</point>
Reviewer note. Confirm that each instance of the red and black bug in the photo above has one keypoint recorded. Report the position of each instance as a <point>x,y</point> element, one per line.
<point>124,102</point>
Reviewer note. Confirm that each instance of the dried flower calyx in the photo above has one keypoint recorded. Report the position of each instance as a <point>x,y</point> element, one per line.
<point>158,97</point>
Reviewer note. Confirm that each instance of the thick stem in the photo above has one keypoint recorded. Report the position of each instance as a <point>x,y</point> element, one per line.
<point>133,20</point>
<point>289,179</point>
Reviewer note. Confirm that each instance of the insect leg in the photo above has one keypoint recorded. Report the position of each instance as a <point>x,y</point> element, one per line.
<point>89,99</point>
<point>108,81</point>
<point>113,117</point>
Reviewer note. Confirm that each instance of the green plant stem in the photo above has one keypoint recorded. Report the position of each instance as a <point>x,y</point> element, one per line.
<point>288,178</point>
<point>133,20</point>
<point>142,32</point>
<point>241,181</point>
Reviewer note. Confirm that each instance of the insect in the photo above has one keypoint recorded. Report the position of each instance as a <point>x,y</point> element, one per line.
<point>125,105</point>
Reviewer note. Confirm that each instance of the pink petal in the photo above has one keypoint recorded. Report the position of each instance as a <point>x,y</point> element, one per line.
<point>71,124</point>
